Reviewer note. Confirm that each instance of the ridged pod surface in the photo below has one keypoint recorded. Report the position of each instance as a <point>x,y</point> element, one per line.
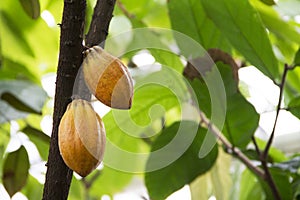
<point>81,137</point>
<point>107,78</point>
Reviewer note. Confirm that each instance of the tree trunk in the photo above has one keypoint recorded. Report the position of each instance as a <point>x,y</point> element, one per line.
<point>59,176</point>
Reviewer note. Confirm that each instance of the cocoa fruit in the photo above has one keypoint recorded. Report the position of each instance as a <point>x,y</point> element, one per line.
<point>81,137</point>
<point>107,78</point>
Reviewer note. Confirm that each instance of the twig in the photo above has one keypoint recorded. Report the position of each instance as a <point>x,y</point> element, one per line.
<point>281,86</point>
<point>263,155</point>
<point>234,150</point>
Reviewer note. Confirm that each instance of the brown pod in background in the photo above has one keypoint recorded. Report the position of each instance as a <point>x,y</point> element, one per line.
<point>81,137</point>
<point>107,78</point>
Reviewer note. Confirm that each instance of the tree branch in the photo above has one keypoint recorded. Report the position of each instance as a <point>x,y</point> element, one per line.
<point>100,22</point>
<point>233,150</point>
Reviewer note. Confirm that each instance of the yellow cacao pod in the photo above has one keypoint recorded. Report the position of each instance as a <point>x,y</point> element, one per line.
<point>107,78</point>
<point>81,137</point>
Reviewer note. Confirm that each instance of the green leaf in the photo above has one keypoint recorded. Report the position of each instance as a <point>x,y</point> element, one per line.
<point>249,187</point>
<point>13,70</point>
<point>33,189</point>
<point>9,30</point>
<point>274,22</point>
<point>241,121</point>
<point>15,171</point>
<point>216,182</point>
<point>31,7</point>
<point>188,17</point>
<point>239,126</point>
<point>183,170</point>
<point>76,190</point>
<point>240,23</point>
<point>109,182</point>
<point>297,58</point>
<point>294,106</point>
<point>39,138</point>
<point>268,2</point>
<point>23,96</point>
<point>154,95</point>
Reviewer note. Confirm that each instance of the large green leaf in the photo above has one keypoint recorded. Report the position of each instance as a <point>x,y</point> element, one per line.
<point>241,118</point>
<point>15,171</point>
<point>241,24</point>
<point>154,95</point>
<point>183,170</point>
<point>188,17</point>
<point>31,7</point>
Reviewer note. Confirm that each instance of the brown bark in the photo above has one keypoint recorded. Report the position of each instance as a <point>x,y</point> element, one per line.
<point>59,176</point>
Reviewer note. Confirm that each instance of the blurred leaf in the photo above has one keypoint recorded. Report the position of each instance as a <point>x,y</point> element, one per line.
<point>188,17</point>
<point>33,189</point>
<point>39,138</point>
<point>17,103</point>
<point>291,166</point>
<point>31,131</point>
<point>249,187</point>
<point>173,177</point>
<point>15,171</point>
<point>275,155</point>
<point>268,2</point>
<point>24,96</point>
<point>294,106</point>
<point>282,183</point>
<point>274,22</point>
<point>109,182</point>
<point>11,29</point>
<point>5,137</point>
<point>8,113</point>
<point>76,190</point>
<point>240,23</point>
<point>217,181</point>
<point>31,7</point>
<point>12,70</point>
<point>297,58</point>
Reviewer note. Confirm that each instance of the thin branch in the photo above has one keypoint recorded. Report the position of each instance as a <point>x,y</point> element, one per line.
<point>234,150</point>
<point>281,87</point>
<point>256,146</point>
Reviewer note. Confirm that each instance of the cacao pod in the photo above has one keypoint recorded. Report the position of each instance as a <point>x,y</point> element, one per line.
<point>107,78</point>
<point>81,137</point>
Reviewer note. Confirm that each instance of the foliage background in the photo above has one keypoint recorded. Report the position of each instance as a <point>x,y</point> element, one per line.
<point>254,32</point>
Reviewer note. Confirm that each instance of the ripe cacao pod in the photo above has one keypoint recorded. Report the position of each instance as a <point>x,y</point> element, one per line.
<point>107,78</point>
<point>81,137</point>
